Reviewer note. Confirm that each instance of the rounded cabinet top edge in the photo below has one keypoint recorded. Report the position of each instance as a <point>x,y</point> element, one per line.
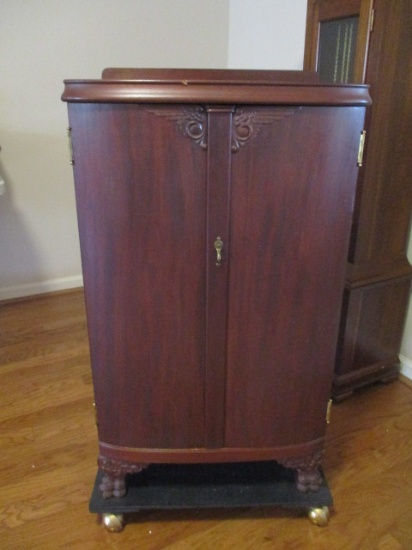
<point>218,91</point>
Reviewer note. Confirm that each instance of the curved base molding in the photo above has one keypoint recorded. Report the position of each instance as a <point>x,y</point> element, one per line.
<point>202,454</point>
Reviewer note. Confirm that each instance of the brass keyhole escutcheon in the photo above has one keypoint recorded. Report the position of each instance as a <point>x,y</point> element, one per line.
<point>218,244</point>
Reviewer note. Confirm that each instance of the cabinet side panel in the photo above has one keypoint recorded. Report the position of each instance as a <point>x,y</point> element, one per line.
<point>293,190</point>
<point>140,187</point>
<point>374,324</point>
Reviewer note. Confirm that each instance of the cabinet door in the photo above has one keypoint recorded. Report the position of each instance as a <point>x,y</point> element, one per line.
<point>292,193</point>
<point>141,194</point>
<point>337,36</point>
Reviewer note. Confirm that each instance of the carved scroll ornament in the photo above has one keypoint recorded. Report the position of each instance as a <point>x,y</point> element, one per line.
<point>247,124</point>
<point>191,121</point>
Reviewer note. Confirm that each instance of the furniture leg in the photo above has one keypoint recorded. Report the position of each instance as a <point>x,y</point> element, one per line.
<point>114,480</point>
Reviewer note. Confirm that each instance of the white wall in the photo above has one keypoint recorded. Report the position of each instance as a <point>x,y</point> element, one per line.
<point>41,43</point>
<point>406,348</point>
<point>267,34</point>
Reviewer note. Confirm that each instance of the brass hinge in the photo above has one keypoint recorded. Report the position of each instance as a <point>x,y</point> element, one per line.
<point>361,147</point>
<point>328,411</point>
<point>69,135</point>
<point>372,20</point>
<point>95,415</point>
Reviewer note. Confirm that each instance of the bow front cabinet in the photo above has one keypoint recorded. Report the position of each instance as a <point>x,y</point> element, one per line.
<point>214,212</point>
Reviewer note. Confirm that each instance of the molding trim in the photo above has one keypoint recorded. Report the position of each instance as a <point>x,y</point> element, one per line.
<point>40,287</point>
<point>406,366</point>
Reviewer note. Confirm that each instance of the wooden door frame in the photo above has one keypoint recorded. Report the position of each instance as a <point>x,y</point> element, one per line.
<point>319,11</point>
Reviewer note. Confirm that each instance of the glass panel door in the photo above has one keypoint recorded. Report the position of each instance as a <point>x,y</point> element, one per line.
<point>337,39</point>
<point>337,48</point>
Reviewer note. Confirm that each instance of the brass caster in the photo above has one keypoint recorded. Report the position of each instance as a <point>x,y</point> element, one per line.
<point>319,516</point>
<point>113,522</point>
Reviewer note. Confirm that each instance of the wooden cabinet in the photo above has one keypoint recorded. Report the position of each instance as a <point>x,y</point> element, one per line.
<point>378,275</point>
<point>214,211</point>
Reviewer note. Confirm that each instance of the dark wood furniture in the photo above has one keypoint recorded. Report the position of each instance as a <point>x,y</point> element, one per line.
<point>214,210</point>
<point>378,274</point>
<point>233,485</point>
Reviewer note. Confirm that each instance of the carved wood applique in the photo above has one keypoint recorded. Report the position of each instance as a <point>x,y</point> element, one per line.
<point>308,476</point>
<point>307,462</point>
<point>247,124</point>
<point>113,483</point>
<point>191,121</point>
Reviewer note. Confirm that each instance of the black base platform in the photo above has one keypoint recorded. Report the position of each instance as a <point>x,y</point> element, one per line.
<point>171,486</point>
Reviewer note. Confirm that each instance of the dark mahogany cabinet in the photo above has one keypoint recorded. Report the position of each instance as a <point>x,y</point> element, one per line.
<point>370,41</point>
<point>214,211</point>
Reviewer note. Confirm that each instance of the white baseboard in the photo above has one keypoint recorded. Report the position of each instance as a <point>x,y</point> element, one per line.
<point>53,285</point>
<point>406,366</point>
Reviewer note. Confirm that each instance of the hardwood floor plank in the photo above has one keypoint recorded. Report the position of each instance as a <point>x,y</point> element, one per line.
<point>49,446</point>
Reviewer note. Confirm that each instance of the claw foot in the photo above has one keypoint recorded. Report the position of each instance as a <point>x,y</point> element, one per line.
<point>113,483</point>
<point>113,487</point>
<point>308,476</point>
<point>308,480</point>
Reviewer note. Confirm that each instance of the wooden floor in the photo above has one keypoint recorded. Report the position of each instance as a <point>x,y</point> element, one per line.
<point>48,457</point>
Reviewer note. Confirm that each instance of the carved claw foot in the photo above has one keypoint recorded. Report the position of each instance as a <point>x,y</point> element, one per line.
<point>308,477</point>
<point>113,522</point>
<point>308,480</point>
<point>113,483</point>
<point>113,486</point>
<point>319,516</point>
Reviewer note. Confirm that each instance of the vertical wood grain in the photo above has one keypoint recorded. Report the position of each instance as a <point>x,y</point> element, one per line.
<point>142,221</point>
<point>218,216</point>
<point>292,201</point>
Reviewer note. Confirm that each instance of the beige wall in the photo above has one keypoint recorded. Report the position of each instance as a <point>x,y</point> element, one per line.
<point>267,34</point>
<point>41,43</point>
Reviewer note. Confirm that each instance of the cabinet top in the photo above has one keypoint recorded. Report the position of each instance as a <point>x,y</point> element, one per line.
<point>213,86</point>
